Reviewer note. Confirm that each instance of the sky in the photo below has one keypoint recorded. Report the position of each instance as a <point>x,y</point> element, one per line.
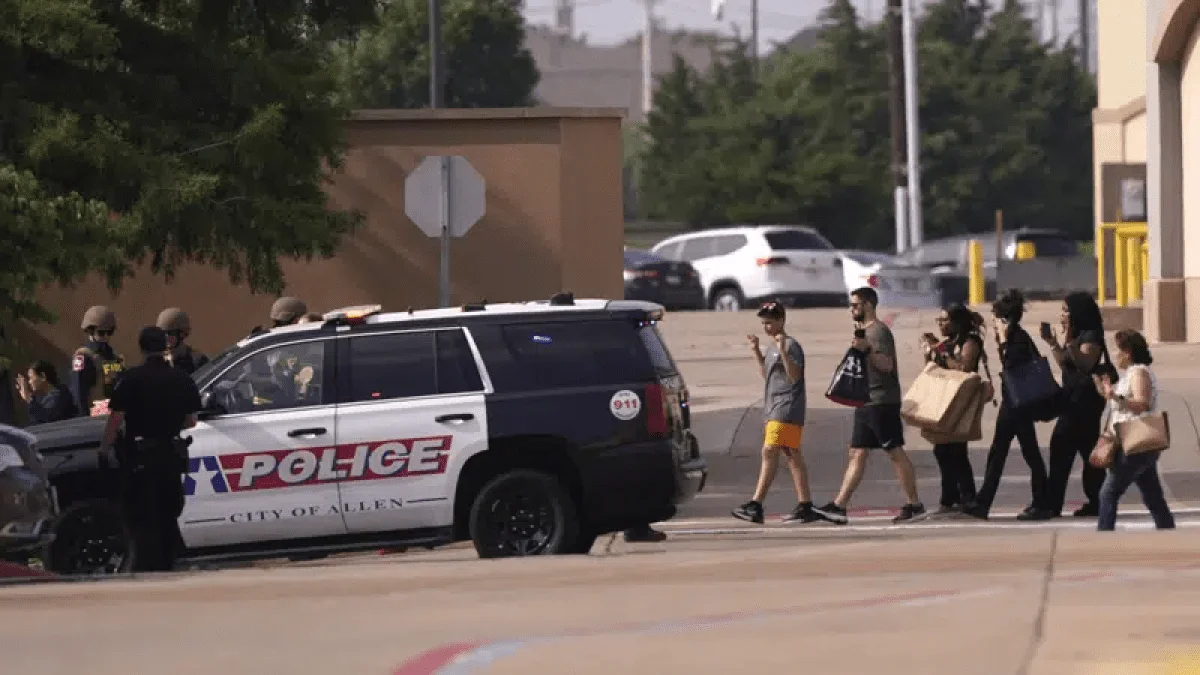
<point>613,21</point>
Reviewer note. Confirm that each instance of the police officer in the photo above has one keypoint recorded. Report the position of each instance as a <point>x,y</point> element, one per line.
<point>176,324</point>
<point>95,367</point>
<point>285,312</point>
<point>155,402</point>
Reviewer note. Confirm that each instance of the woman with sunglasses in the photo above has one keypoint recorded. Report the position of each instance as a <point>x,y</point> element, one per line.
<point>95,367</point>
<point>961,348</point>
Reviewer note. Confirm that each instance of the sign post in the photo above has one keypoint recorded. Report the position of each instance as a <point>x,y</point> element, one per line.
<point>444,196</point>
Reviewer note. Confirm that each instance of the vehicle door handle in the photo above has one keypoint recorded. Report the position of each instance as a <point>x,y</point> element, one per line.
<point>314,431</point>
<point>455,417</point>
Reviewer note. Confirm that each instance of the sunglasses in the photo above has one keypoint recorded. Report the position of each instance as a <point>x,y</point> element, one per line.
<point>105,333</point>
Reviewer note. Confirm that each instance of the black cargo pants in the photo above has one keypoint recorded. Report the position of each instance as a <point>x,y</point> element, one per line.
<point>153,500</point>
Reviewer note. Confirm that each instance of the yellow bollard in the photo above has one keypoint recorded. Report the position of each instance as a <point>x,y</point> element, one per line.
<point>1145,261</point>
<point>1120,270</point>
<point>1133,258</point>
<point>1026,250</point>
<point>975,281</point>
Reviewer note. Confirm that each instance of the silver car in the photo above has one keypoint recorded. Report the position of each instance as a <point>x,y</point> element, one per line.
<point>27,505</point>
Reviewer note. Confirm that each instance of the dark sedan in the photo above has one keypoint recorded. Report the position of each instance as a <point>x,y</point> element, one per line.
<point>674,285</point>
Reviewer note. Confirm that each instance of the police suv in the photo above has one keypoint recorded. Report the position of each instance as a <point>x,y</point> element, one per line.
<point>528,428</point>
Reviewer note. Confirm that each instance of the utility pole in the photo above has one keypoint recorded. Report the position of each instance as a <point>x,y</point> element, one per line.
<point>754,33</point>
<point>912,97</point>
<point>437,81</point>
<point>1085,36</point>
<point>895,44</point>
<point>1054,22</point>
<point>648,58</point>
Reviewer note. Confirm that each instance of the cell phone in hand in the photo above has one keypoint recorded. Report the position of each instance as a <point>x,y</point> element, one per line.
<point>1047,331</point>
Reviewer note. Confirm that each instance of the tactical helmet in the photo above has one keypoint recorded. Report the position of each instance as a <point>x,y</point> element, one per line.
<point>288,309</point>
<point>172,319</point>
<point>100,318</point>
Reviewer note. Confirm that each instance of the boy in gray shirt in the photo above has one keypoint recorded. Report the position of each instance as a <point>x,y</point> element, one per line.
<point>784,404</point>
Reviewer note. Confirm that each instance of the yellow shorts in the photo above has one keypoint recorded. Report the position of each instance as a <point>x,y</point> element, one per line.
<point>783,434</point>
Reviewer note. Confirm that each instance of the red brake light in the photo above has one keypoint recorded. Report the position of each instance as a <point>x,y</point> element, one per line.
<point>656,410</point>
<point>774,260</point>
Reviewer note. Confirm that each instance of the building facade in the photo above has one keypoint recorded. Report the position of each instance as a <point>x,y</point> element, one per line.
<point>1147,127</point>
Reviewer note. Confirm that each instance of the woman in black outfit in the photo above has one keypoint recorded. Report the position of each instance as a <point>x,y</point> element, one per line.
<point>960,349</point>
<point>1016,348</point>
<point>1080,406</point>
<point>48,401</point>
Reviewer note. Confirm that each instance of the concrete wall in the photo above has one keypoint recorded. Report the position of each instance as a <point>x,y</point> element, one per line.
<point>553,222</point>
<point>1119,120</point>
<point>1172,298</point>
<point>1190,99</point>
<point>1120,35</point>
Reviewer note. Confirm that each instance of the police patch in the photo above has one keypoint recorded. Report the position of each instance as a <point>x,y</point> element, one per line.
<point>77,363</point>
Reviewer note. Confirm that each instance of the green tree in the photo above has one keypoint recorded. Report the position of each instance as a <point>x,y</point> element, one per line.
<point>1005,123</point>
<point>690,132</point>
<point>208,126</point>
<point>487,64</point>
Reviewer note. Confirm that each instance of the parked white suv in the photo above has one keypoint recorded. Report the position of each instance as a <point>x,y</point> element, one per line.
<point>740,266</point>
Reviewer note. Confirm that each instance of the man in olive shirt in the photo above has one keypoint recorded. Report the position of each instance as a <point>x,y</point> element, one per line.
<point>877,425</point>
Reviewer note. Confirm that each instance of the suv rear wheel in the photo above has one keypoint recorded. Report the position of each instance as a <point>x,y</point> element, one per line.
<point>90,537</point>
<point>728,299</point>
<point>522,513</point>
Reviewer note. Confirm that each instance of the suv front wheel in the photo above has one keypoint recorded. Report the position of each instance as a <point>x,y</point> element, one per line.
<point>522,513</point>
<point>90,537</point>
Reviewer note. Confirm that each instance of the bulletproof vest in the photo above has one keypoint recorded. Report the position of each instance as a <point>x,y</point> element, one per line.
<point>107,371</point>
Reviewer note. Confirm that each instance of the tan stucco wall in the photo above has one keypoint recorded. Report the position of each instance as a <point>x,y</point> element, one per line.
<point>1119,120</point>
<point>554,222</point>
<point>1190,97</point>
<point>1120,52</point>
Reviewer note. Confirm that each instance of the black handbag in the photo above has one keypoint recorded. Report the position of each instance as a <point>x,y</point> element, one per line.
<point>1031,386</point>
<point>849,385</point>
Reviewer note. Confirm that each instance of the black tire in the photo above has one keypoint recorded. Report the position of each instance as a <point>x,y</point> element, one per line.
<point>728,299</point>
<point>90,537</point>
<point>522,513</point>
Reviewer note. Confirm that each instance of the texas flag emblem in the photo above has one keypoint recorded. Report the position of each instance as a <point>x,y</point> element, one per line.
<point>204,477</point>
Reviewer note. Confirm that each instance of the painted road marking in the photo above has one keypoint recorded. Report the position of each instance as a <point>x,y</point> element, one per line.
<point>466,658</point>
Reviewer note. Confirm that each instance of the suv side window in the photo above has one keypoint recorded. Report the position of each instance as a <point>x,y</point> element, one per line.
<point>457,371</point>
<point>290,376</point>
<point>668,251</point>
<point>390,366</point>
<point>697,249</point>
<point>728,244</point>
<point>550,355</point>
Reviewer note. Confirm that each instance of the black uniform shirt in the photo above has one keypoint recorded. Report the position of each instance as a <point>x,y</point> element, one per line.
<point>156,399</point>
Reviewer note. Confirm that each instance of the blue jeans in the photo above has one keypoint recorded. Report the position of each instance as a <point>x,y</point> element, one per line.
<point>1141,469</point>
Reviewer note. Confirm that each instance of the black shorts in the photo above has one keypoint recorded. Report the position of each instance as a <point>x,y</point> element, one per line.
<point>877,426</point>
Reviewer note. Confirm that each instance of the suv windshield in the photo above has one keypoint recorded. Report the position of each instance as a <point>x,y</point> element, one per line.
<point>217,364</point>
<point>796,240</point>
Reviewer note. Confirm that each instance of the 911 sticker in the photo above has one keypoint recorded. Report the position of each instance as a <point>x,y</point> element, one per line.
<point>274,469</point>
<point>625,404</point>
